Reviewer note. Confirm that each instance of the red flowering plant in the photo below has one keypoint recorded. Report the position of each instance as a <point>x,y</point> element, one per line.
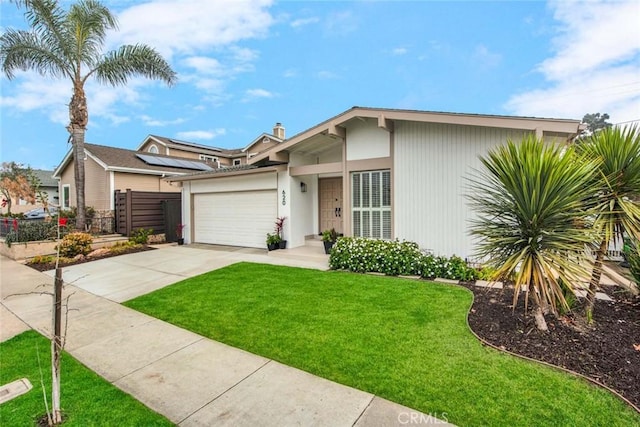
<point>280,226</point>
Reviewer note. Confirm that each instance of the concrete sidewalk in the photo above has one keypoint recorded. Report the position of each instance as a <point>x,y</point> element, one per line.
<point>188,378</point>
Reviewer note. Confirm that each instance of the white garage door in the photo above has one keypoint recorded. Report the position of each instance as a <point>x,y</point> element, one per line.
<point>235,219</point>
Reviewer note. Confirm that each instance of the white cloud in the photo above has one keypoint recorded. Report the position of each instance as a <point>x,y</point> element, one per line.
<point>297,23</point>
<point>33,92</point>
<point>204,65</point>
<point>399,51</point>
<point>150,121</point>
<point>595,66</point>
<point>191,26</point>
<point>201,134</point>
<point>255,94</point>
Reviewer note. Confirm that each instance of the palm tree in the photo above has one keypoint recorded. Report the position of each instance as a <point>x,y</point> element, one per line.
<point>530,210</point>
<point>617,184</point>
<point>69,45</point>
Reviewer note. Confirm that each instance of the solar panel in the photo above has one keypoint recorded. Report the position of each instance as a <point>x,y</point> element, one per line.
<point>174,163</point>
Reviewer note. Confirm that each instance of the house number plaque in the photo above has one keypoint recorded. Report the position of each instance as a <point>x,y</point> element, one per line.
<point>284,198</point>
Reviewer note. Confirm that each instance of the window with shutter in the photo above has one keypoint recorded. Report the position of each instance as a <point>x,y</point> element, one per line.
<point>371,204</point>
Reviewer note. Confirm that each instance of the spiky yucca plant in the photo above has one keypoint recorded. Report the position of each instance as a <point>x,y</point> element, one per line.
<point>617,181</point>
<point>530,209</point>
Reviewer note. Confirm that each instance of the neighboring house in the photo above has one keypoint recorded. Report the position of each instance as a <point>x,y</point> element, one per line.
<point>217,157</point>
<point>48,188</point>
<point>108,169</point>
<point>383,173</point>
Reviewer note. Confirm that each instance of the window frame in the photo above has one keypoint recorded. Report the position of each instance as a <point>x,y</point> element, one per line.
<point>371,209</point>
<point>66,197</point>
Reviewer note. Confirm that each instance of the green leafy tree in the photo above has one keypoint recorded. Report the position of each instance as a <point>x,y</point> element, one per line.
<point>529,200</point>
<point>617,181</point>
<point>68,44</point>
<point>596,121</point>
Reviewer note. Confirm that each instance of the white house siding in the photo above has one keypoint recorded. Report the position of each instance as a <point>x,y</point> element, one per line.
<point>365,140</point>
<point>431,162</point>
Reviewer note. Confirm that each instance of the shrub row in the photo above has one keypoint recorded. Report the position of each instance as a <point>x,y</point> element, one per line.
<point>395,258</point>
<point>32,231</point>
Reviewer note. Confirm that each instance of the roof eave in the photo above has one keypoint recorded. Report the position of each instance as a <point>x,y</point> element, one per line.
<point>568,126</point>
<point>210,175</point>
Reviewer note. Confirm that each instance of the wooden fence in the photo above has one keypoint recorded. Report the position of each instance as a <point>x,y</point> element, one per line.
<point>147,209</point>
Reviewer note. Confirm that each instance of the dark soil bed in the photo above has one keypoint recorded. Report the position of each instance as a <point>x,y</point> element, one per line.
<point>608,351</point>
<point>51,265</point>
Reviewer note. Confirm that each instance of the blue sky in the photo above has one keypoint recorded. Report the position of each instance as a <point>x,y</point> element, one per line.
<point>245,65</point>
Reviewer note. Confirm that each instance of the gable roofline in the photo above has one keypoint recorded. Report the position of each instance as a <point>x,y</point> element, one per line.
<point>122,160</point>
<point>331,125</point>
<point>189,146</point>
<point>63,164</point>
<point>260,138</point>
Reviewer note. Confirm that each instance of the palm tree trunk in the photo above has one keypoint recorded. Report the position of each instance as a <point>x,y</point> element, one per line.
<point>79,117</point>
<point>77,137</point>
<point>596,274</point>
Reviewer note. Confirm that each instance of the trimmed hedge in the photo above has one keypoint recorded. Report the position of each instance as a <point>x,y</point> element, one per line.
<point>394,258</point>
<point>31,231</point>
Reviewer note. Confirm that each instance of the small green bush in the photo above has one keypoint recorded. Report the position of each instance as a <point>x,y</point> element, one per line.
<point>395,258</point>
<point>141,235</point>
<point>42,259</point>
<point>75,244</point>
<point>122,247</point>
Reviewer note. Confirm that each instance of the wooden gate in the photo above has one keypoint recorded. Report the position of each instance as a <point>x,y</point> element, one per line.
<point>145,209</point>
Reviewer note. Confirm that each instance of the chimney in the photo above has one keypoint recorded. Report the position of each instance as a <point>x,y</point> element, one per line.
<point>278,131</point>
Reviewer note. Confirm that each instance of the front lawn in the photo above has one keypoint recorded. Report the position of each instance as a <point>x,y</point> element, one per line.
<point>86,398</point>
<point>403,340</point>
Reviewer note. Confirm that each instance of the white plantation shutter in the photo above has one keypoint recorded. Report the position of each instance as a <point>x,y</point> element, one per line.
<point>371,204</point>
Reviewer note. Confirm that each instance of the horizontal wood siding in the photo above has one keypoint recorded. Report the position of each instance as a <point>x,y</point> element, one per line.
<point>431,162</point>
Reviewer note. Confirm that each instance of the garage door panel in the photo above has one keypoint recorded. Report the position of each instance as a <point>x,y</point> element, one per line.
<point>236,219</point>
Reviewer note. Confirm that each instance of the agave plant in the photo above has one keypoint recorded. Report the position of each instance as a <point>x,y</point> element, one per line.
<point>530,226</point>
<point>617,181</point>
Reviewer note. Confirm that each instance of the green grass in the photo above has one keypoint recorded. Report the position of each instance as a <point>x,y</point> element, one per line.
<point>403,340</point>
<point>86,398</point>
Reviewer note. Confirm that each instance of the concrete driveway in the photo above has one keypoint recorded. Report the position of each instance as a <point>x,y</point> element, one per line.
<point>125,277</point>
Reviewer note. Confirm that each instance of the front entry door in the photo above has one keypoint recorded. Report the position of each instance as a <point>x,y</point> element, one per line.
<point>330,204</point>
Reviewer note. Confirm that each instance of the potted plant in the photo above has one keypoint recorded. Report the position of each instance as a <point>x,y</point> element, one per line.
<point>179,229</point>
<point>279,226</point>
<point>273,241</point>
<point>329,237</point>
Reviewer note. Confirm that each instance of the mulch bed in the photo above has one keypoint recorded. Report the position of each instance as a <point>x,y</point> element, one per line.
<point>52,265</point>
<point>603,351</point>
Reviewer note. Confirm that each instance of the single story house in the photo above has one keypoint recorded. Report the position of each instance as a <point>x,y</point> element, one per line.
<point>381,173</point>
<point>108,169</point>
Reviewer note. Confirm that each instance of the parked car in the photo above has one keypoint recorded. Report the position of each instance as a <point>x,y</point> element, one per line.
<point>40,213</point>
